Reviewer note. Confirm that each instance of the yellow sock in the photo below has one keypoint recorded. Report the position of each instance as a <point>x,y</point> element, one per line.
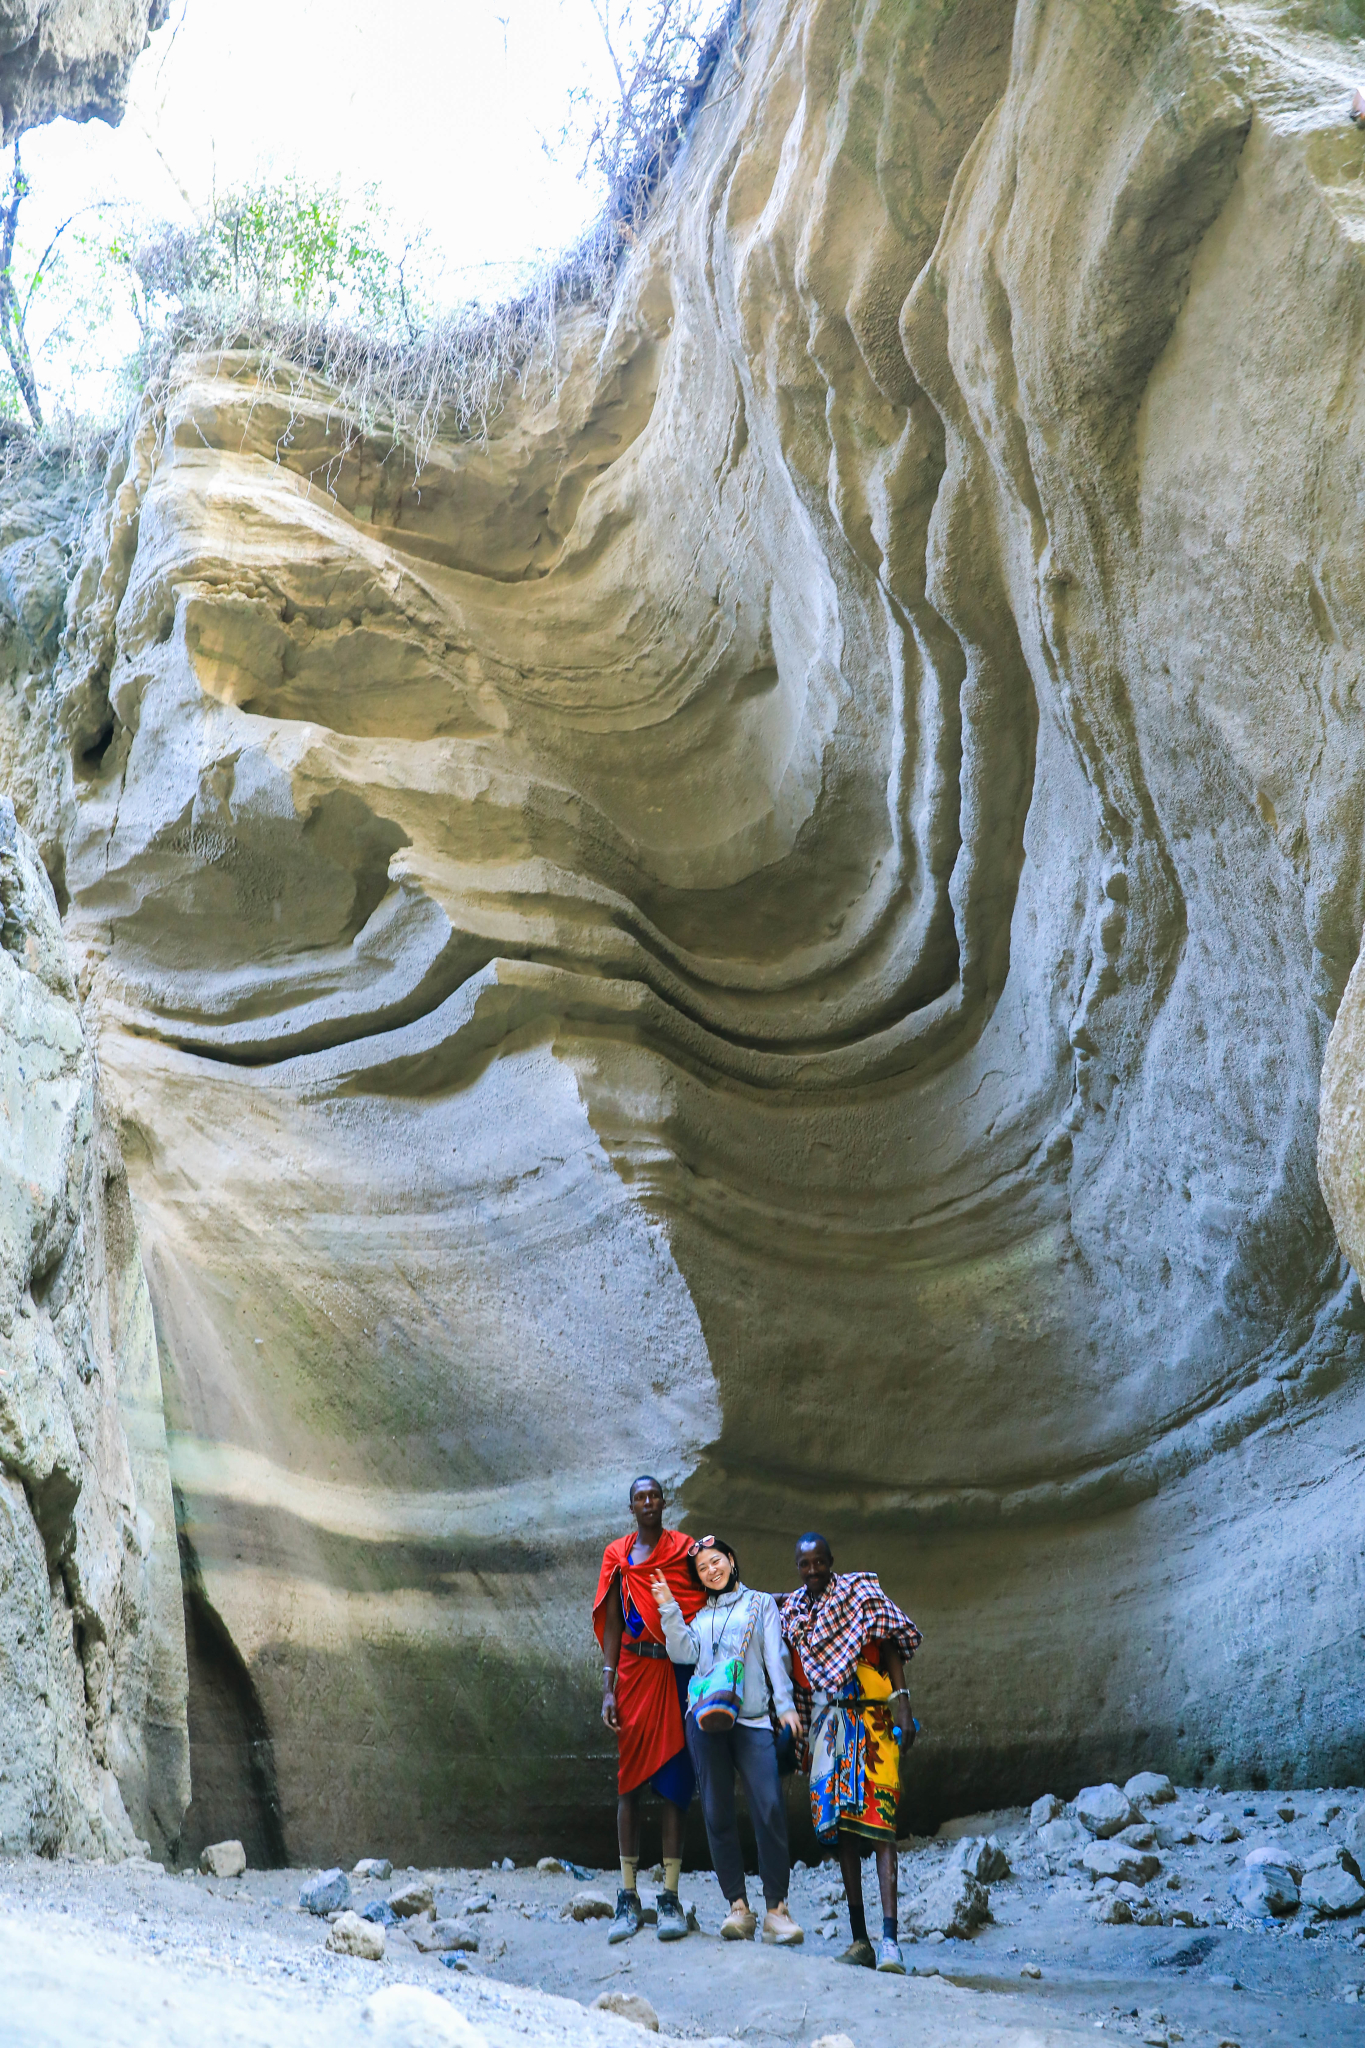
<point>629,1867</point>
<point>672,1873</point>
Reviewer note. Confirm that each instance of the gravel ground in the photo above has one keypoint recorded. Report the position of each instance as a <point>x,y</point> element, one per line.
<point>109,1954</point>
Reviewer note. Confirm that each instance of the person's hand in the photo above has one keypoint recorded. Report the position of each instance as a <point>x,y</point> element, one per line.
<point>610,1712</point>
<point>659,1586</point>
<point>792,1721</point>
<point>902,1718</point>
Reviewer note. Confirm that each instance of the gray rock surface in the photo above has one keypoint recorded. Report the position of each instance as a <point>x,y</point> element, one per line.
<point>349,1935</point>
<point>628,2005</point>
<point>1057,1836</point>
<point>443,1937</point>
<point>953,1904</point>
<point>377,1868</point>
<point>1149,1788</point>
<point>982,1857</point>
<point>1267,1888</point>
<point>1117,1861</point>
<point>1049,1807</point>
<point>1331,1886</point>
<point>410,1900</point>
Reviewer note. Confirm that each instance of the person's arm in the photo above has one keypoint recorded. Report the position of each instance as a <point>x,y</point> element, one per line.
<point>894,1665</point>
<point>613,1629</point>
<point>683,1642</point>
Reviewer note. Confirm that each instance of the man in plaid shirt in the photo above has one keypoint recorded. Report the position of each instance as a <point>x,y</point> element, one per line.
<point>850,1644</point>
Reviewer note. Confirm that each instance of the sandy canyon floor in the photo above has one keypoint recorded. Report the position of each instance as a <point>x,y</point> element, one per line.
<point>129,1954</point>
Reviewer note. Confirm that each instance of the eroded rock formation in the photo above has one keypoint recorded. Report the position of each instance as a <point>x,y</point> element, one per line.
<point>775,921</point>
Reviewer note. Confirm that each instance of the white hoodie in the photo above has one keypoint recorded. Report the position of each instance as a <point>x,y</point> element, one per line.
<point>717,1632</point>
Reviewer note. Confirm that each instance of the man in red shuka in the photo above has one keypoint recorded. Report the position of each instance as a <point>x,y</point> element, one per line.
<point>644,1698</point>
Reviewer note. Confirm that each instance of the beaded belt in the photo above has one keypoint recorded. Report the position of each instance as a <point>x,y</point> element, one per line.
<point>645,1649</point>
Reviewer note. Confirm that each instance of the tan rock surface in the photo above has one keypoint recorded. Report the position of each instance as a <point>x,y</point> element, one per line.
<point>775,922</point>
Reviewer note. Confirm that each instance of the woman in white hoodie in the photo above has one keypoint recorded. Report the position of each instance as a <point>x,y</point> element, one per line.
<point>738,1621</point>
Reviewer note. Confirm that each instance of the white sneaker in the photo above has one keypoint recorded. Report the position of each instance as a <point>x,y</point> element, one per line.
<point>779,1926</point>
<point>739,1923</point>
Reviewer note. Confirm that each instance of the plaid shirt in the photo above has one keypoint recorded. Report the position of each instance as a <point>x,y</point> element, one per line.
<point>831,1632</point>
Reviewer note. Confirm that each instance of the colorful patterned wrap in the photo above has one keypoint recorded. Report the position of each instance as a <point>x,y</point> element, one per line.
<point>855,1767</point>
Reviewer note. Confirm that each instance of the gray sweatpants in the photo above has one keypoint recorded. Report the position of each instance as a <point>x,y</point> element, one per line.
<point>753,1754</point>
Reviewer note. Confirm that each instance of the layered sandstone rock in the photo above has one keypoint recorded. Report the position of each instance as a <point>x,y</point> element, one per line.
<point>774,922</point>
<point>93,1743</point>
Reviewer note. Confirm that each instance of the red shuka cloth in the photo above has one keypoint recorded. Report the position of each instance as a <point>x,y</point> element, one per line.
<point>646,1688</point>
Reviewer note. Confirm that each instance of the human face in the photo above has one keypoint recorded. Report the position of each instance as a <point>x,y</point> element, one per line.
<point>815,1568</point>
<point>647,1506</point>
<point>714,1569</point>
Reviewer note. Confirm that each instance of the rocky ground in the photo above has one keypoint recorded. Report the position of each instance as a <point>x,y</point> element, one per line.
<point>1184,1949</point>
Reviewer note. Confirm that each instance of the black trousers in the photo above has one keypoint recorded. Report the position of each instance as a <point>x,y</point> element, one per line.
<point>752,1753</point>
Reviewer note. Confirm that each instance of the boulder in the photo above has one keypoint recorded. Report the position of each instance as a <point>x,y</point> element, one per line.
<point>550,1866</point>
<point>1103,1810</point>
<point>1177,1836</point>
<point>630,2006</point>
<point>444,1937</point>
<point>954,1904</point>
<point>1117,1860</point>
<point>410,2016</point>
<point>1218,1828</point>
<point>589,1906</point>
<point>223,1859</point>
<point>1111,1910</point>
<point>374,1867</point>
<point>328,1892</point>
<point>1060,1835</point>
<point>1267,1890</point>
<point>1045,1809</point>
<point>1149,1788</point>
<point>1277,1859</point>
<point>1331,1886</point>
<point>982,1857</point>
<point>349,1935</point>
<point>412,1900</point>
<point>1141,1836</point>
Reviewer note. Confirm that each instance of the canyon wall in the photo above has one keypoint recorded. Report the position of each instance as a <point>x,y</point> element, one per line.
<point>772,920</point>
<point>94,1751</point>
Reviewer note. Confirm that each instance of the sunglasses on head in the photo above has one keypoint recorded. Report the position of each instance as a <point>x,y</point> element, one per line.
<point>702,1543</point>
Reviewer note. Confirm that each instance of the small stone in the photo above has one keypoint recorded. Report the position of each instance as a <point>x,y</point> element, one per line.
<point>444,1937</point>
<point>1103,1809</point>
<point>954,1904</point>
<point>1267,1890</point>
<point>832,2041</point>
<point>408,2013</point>
<point>1175,1837</point>
<point>1218,1828</point>
<point>630,2006</point>
<point>223,1859</point>
<point>349,1935</point>
<point>506,1864</point>
<point>982,1857</point>
<point>412,1900</point>
<point>1111,1911</point>
<point>374,1867</point>
<point>381,1913</point>
<point>1150,1788</point>
<point>1045,1809</point>
<point>1326,1811</point>
<point>1143,1836</point>
<point>932,1940</point>
<point>590,1906</point>
<point>1117,1860</point>
<point>1331,1888</point>
<point>550,1866</point>
<point>1030,1970</point>
<point>328,1892</point>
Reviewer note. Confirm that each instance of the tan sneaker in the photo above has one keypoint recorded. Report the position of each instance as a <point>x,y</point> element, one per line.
<point>779,1926</point>
<point>739,1923</point>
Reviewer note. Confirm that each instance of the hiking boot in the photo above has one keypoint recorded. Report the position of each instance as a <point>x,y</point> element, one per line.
<point>889,1956</point>
<point>629,1917</point>
<point>739,1923</point>
<point>779,1926</point>
<point>672,1919</point>
<point>861,1954</point>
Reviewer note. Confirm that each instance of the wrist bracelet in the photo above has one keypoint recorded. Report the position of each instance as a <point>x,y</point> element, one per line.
<point>899,1694</point>
<point>609,1670</point>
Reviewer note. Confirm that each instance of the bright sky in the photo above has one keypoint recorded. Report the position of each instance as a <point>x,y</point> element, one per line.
<point>440,103</point>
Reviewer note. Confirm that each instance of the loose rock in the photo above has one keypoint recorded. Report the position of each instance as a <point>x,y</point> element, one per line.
<point>589,1906</point>
<point>374,1867</point>
<point>1267,1889</point>
<point>1331,1889</point>
<point>551,1865</point>
<point>412,1900</point>
<point>223,1859</point>
<point>327,1893</point>
<point>1218,1828</point>
<point>982,1857</point>
<point>1149,1788</point>
<point>1045,1809</point>
<point>1060,1835</point>
<point>631,2006</point>
<point>1117,1860</point>
<point>1103,1809</point>
<point>349,1935</point>
<point>954,1904</point>
<point>444,1937</point>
